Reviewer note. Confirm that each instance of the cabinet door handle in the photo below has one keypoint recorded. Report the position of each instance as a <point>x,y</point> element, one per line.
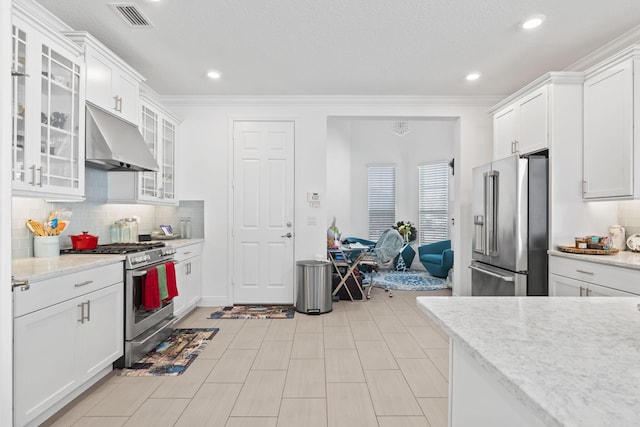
<point>81,305</point>
<point>581,290</point>
<point>585,272</point>
<point>33,175</point>
<point>40,173</point>
<point>118,103</point>
<point>584,187</point>
<point>89,311</point>
<point>24,284</point>
<point>86,282</point>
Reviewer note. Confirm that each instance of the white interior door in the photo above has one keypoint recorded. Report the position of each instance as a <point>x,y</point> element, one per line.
<point>263,192</point>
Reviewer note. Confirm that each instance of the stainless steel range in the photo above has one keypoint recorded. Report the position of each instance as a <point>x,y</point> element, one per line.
<point>144,329</point>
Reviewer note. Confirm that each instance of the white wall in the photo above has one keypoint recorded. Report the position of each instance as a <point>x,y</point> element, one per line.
<point>339,188</point>
<point>203,165</point>
<point>373,142</point>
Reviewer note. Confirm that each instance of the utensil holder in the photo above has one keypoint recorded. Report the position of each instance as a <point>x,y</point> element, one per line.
<point>46,246</point>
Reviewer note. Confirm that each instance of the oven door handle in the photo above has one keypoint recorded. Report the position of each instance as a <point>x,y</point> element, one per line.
<point>139,273</point>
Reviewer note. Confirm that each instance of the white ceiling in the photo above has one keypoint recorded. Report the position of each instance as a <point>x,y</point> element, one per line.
<point>350,47</point>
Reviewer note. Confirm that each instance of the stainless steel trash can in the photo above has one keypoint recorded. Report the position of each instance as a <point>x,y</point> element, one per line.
<point>314,287</point>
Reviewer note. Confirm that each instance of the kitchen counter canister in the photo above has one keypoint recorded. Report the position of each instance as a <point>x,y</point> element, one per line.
<point>570,361</point>
<point>626,259</point>
<point>36,269</point>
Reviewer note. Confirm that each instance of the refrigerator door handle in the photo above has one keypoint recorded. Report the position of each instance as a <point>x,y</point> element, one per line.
<point>486,242</point>
<point>492,212</point>
<point>491,273</point>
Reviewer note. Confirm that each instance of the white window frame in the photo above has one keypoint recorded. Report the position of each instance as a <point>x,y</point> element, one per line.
<point>433,202</point>
<point>381,198</point>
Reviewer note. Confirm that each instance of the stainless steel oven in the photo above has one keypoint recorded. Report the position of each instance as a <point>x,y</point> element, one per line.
<point>144,328</point>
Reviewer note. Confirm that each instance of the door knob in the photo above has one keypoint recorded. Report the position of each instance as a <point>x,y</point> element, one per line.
<point>289,235</point>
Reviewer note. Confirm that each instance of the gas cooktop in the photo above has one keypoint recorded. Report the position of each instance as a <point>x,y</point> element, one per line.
<point>116,248</point>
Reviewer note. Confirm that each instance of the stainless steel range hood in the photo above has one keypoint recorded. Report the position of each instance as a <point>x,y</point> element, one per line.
<point>114,144</point>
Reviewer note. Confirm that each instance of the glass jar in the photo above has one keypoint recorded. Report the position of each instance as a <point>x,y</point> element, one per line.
<point>126,232</point>
<point>115,232</point>
<point>188,228</point>
<point>132,224</point>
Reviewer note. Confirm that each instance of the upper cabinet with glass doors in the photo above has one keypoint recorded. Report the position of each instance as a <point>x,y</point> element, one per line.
<point>48,120</point>
<point>158,128</point>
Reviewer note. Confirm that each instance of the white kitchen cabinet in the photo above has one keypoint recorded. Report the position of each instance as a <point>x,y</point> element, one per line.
<point>47,111</point>
<point>611,141</point>
<point>67,333</point>
<point>571,277</point>
<point>111,83</point>
<point>158,128</point>
<point>522,126</point>
<point>188,261</point>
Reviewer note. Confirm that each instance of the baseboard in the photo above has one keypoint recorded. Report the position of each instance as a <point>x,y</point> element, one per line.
<point>214,302</point>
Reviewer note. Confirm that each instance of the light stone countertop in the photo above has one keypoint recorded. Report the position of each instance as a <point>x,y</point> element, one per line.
<point>626,259</point>
<point>37,269</point>
<point>572,361</point>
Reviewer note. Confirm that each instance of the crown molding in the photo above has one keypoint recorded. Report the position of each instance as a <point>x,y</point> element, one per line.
<point>319,100</point>
<point>622,42</point>
<point>554,77</point>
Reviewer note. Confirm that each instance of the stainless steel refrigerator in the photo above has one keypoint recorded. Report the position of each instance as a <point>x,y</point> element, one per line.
<point>510,227</point>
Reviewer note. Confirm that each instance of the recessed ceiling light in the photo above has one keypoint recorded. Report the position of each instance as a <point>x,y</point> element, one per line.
<point>532,22</point>
<point>213,75</point>
<point>473,76</point>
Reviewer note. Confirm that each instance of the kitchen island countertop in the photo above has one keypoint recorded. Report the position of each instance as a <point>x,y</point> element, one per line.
<point>571,361</point>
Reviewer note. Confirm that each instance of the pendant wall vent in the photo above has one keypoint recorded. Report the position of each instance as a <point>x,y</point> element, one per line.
<point>131,15</point>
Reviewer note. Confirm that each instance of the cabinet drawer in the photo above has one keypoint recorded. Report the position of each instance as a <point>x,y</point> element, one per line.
<point>186,252</point>
<point>53,291</point>
<point>623,279</point>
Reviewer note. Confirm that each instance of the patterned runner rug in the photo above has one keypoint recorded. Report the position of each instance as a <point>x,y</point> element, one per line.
<point>173,356</point>
<point>254,312</point>
<point>410,280</point>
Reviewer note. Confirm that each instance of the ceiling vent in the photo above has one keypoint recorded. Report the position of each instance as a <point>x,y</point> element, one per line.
<point>131,15</point>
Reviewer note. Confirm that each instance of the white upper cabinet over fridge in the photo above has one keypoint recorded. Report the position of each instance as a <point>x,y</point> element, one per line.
<point>522,126</point>
<point>611,134</point>
<point>47,110</point>
<point>111,83</point>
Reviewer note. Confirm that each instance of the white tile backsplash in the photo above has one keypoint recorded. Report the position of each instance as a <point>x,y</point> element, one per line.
<point>629,216</point>
<point>96,218</point>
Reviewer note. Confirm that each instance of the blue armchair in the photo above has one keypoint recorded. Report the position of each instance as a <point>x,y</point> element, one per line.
<point>437,258</point>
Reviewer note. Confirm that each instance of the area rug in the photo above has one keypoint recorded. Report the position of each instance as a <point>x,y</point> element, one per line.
<point>254,312</point>
<point>410,280</point>
<point>174,355</point>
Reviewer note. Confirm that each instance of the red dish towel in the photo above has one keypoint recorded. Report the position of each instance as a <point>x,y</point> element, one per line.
<point>172,288</point>
<point>150,289</point>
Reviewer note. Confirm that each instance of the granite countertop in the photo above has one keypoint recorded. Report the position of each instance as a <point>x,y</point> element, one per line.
<point>37,269</point>
<point>572,361</point>
<point>626,259</point>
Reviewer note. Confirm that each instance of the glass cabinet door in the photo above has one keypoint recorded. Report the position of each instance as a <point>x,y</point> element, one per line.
<point>18,102</point>
<point>59,121</point>
<point>168,162</point>
<point>149,180</point>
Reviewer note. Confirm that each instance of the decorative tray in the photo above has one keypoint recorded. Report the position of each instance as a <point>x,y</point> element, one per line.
<point>164,237</point>
<point>574,250</point>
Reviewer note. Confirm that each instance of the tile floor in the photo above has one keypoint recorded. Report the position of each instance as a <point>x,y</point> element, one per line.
<point>374,363</point>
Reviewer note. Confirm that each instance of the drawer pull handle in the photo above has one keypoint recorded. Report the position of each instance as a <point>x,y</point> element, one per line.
<point>187,253</point>
<point>585,272</point>
<point>85,283</point>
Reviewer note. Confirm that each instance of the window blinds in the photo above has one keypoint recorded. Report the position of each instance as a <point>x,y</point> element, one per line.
<point>433,204</point>
<point>382,199</point>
